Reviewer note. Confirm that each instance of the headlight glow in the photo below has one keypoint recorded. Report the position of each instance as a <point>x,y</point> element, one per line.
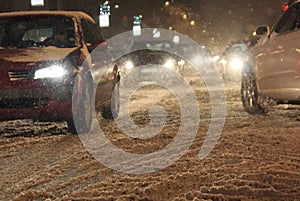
<point>215,58</point>
<point>53,71</point>
<point>169,63</point>
<point>236,64</point>
<point>223,62</point>
<point>198,60</point>
<point>129,65</point>
<point>181,62</point>
<point>208,60</point>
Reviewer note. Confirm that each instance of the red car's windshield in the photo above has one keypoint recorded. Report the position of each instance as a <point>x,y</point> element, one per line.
<point>36,31</point>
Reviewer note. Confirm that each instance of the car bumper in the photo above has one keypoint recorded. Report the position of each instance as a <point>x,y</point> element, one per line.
<point>43,104</point>
<point>53,111</point>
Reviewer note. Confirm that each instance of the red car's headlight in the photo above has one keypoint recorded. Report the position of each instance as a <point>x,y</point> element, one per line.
<point>56,70</point>
<point>53,71</point>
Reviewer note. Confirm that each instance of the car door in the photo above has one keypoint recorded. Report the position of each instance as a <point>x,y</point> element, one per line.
<point>277,63</point>
<point>289,66</point>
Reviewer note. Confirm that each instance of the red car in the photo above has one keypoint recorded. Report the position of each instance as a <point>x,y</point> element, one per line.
<point>46,68</point>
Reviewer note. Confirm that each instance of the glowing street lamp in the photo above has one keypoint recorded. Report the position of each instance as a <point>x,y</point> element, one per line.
<point>167,3</point>
<point>192,23</point>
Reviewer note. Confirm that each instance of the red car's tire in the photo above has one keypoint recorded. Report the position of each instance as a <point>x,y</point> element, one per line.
<point>82,123</point>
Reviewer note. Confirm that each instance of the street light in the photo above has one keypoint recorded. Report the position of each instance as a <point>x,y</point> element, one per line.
<point>192,23</point>
<point>167,3</point>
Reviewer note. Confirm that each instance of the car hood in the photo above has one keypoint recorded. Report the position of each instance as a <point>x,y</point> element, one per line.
<point>33,55</point>
<point>143,57</point>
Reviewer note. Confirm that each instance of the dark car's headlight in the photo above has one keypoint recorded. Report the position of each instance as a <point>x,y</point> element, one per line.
<point>170,63</point>
<point>129,65</point>
<point>236,64</point>
<point>181,62</point>
<point>198,60</point>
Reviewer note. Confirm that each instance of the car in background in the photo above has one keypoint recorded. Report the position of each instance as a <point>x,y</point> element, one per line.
<point>194,54</point>
<point>148,58</point>
<point>253,41</point>
<point>233,61</point>
<point>46,69</point>
<point>272,73</point>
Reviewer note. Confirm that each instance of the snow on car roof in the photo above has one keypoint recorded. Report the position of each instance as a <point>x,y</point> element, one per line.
<point>76,14</point>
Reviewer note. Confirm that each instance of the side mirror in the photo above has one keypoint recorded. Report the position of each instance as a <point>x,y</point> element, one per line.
<point>262,30</point>
<point>99,46</point>
<point>100,54</point>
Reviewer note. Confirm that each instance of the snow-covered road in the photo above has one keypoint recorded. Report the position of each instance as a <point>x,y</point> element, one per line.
<point>256,157</point>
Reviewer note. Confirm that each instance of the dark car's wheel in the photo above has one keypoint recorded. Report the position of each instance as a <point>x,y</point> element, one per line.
<point>249,95</point>
<point>113,111</point>
<point>83,119</point>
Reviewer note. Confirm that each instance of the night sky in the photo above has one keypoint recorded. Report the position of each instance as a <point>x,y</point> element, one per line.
<point>223,21</point>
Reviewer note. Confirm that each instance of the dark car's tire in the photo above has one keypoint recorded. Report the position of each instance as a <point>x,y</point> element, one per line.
<point>71,126</point>
<point>84,113</point>
<point>112,112</point>
<point>249,95</point>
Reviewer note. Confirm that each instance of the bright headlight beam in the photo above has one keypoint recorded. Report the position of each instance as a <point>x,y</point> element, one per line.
<point>236,64</point>
<point>215,58</point>
<point>198,60</point>
<point>169,63</point>
<point>54,71</point>
<point>129,65</point>
<point>223,62</point>
<point>181,62</point>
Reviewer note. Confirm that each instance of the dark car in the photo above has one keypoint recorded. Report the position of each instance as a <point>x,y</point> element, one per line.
<point>234,58</point>
<point>194,53</point>
<point>46,68</point>
<point>151,59</point>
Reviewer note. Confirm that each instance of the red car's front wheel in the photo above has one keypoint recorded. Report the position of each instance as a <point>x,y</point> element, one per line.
<point>82,112</point>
